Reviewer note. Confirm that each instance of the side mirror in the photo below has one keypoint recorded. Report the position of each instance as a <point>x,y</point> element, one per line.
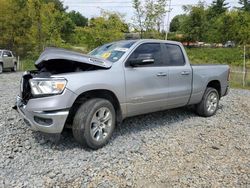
<point>142,59</point>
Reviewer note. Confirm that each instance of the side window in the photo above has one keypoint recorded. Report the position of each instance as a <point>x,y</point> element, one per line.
<point>148,48</point>
<point>5,53</point>
<point>9,54</point>
<point>173,55</point>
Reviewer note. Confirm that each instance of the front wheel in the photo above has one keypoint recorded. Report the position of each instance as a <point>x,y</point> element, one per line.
<point>94,123</point>
<point>209,104</point>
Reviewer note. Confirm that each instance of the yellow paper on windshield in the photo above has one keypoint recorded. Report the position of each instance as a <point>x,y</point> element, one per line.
<point>106,55</point>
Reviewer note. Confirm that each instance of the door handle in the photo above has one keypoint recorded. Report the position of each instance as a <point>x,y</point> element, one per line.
<point>161,74</point>
<point>185,73</point>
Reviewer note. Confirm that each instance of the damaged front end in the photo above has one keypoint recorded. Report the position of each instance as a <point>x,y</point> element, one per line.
<point>54,61</point>
<point>44,100</point>
<point>57,61</point>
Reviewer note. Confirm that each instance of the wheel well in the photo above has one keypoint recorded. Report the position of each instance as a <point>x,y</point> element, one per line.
<point>99,93</point>
<point>216,85</point>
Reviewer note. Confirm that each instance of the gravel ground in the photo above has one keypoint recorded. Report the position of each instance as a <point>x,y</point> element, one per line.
<point>163,149</point>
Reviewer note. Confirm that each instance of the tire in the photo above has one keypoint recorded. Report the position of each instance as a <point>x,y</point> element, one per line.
<point>209,103</point>
<point>14,69</point>
<point>1,68</point>
<point>94,123</point>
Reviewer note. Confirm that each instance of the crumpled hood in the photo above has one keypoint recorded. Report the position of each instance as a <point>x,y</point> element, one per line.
<point>57,53</point>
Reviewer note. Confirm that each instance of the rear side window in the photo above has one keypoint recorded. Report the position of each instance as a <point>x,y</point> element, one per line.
<point>148,48</point>
<point>7,53</point>
<point>173,55</point>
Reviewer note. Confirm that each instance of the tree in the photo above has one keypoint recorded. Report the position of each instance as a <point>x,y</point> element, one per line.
<point>195,24</point>
<point>67,27</point>
<point>30,26</point>
<point>78,19</point>
<point>57,3</point>
<point>214,24</point>
<point>215,11</point>
<point>218,7</point>
<point>242,28</point>
<point>109,27</point>
<point>14,24</point>
<point>149,16</point>
<point>50,26</point>
<point>245,5</point>
<point>139,14</point>
<point>177,23</point>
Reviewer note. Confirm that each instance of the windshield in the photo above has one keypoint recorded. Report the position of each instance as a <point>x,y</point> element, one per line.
<point>113,51</point>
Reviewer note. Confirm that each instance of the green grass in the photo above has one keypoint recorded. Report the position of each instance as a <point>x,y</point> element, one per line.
<point>236,80</point>
<point>230,56</point>
<point>238,86</point>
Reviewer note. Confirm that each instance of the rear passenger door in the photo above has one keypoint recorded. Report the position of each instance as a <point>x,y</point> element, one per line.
<point>180,75</point>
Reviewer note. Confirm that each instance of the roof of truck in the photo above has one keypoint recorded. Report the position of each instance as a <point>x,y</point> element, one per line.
<point>150,40</point>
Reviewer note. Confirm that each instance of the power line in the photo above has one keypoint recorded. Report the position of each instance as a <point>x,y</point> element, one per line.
<point>129,4</point>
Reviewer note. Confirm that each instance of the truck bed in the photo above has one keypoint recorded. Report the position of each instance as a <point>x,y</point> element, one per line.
<point>203,74</point>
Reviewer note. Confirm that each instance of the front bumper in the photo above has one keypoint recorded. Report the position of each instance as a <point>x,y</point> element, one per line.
<point>43,121</point>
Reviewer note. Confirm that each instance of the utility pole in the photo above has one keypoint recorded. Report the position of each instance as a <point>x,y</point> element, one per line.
<point>167,26</point>
<point>244,67</point>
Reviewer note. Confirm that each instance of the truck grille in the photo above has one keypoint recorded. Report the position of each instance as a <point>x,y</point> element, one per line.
<point>25,90</point>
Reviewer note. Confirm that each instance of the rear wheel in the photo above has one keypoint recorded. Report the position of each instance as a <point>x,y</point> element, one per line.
<point>94,123</point>
<point>209,104</point>
<point>14,69</point>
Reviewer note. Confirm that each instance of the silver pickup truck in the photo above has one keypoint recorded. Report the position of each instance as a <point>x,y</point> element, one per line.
<point>92,93</point>
<point>7,61</point>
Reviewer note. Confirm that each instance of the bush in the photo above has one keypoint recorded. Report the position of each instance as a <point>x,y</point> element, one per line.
<point>230,56</point>
<point>27,64</point>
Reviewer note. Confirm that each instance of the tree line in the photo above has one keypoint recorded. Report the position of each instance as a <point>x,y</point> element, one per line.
<point>28,26</point>
<point>215,23</point>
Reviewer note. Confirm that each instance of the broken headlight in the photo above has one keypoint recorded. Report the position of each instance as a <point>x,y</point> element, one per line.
<point>47,86</point>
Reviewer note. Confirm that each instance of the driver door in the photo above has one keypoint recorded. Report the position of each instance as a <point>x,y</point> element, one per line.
<point>146,85</point>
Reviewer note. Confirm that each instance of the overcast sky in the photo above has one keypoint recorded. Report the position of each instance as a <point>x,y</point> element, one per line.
<point>92,8</point>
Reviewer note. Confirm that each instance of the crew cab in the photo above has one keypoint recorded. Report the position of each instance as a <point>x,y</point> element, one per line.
<point>92,93</point>
<point>7,61</point>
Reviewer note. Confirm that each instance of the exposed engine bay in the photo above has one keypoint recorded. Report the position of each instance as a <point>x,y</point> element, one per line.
<point>58,66</point>
<point>54,61</point>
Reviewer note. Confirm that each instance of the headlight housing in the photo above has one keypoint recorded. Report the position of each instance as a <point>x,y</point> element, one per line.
<point>51,86</point>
